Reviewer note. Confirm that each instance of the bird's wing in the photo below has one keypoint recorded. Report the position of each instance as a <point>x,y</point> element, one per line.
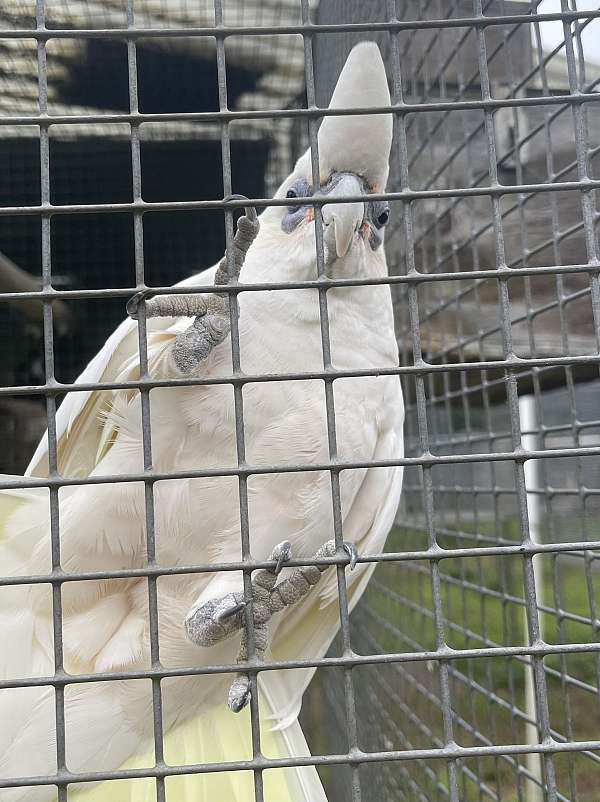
<point>307,631</point>
<point>78,424</point>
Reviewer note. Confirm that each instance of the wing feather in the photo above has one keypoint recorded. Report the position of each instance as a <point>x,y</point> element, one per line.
<point>79,424</point>
<point>307,631</point>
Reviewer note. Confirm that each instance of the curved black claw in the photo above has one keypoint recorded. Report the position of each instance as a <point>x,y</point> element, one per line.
<point>215,620</point>
<point>281,554</point>
<point>133,304</point>
<point>239,693</point>
<point>350,550</point>
<point>226,613</point>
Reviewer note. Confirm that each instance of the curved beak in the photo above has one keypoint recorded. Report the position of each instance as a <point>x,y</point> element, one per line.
<point>342,220</point>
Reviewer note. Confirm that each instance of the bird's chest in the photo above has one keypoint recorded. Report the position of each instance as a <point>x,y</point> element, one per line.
<point>289,419</point>
<point>284,422</point>
<point>284,345</point>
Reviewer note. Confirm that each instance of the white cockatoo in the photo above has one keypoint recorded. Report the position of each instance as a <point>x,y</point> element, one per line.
<point>109,724</point>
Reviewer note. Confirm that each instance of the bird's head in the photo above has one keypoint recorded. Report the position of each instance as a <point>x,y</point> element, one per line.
<point>354,155</point>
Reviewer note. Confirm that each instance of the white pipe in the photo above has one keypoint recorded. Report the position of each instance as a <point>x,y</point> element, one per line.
<point>529,423</point>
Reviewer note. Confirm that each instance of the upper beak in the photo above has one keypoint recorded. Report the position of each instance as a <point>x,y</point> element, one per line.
<point>343,219</point>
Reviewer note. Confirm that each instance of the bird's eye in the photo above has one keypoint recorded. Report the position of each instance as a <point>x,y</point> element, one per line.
<point>299,189</point>
<point>295,213</point>
<point>379,213</point>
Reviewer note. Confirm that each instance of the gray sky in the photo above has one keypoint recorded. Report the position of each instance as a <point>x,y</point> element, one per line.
<point>552,32</point>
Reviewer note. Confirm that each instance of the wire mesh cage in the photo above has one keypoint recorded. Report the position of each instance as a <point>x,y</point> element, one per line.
<point>470,669</point>
<point>489,147</point>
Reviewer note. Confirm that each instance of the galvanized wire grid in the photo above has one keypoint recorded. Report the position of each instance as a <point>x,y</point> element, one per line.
<point>488,598</point>
<point>424,705</point>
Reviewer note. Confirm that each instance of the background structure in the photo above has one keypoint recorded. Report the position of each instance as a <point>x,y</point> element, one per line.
<point>480,597</point>
<point>91,162</point>
<point>478,671</point>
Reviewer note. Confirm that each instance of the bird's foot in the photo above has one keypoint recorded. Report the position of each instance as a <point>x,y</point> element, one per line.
<point>280,554</point>
<point>220,618</point>
<point>211,311</point>
<point>239,693</point>
<point>215,620</point>
<point>352,553</point>
<point>197,305</point>
<point>329,549</point>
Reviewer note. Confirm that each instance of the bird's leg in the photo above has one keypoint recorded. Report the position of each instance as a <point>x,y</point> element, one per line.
<point>239,692</point>
<point>220,618</point>
<point>263,586</point>
<point>210,311</point>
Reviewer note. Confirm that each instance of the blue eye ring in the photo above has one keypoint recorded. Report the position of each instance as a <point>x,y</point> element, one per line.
<point>299,189</point>
<point>295,214</point>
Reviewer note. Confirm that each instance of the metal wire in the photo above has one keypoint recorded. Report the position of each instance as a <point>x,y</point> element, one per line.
<point>472,669</point>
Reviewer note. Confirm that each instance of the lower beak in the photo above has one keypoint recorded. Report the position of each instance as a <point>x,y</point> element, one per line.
<point>343,219</point>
